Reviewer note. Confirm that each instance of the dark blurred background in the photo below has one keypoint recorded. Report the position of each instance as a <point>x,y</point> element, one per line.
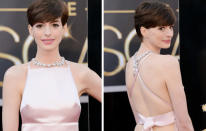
<point>95,58</point>
<point>193,58</point>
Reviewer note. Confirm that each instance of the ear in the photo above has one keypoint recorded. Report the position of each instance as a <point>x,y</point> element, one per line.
<point>143,31</point>
<point>30,30</point>
<point>65,28</point>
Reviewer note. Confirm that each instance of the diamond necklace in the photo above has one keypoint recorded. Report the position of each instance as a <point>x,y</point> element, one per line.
<point>57,63</point>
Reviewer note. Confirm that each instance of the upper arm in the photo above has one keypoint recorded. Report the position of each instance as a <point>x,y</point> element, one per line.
<point>129,74</point>
<point>176,91</point>
<point>93,84</point>
<point>173,80</point>
<point>11,100</point>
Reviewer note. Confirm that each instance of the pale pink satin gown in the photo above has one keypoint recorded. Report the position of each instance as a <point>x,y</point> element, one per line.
<point>50,100</point>
<point>148,122</point>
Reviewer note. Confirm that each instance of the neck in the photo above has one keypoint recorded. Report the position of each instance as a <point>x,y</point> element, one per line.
<point>146,47</point>
<point>48,57</point>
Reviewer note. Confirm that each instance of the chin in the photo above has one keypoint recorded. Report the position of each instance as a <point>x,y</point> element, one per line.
<point>49,48</point>
<point>165,46</point>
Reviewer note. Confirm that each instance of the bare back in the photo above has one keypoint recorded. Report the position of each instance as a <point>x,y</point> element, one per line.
<point>147,89</point>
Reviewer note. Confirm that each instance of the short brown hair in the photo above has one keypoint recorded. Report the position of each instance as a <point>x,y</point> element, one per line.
<point>47,10</point>
<point>151,14</point>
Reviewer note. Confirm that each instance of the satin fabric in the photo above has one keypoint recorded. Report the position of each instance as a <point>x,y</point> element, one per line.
<point>149,122</point>
<point>50,100</point>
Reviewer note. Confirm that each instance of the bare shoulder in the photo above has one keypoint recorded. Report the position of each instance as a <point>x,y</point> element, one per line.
<point>169,60</point>
<point>16,71</point>
<point>81,72</point>
<point>129,64</point>
<point>14,78</point>
<point>80,69</point>
<point>83,75</point>
<point>16,74</point>
<point>166,62</point>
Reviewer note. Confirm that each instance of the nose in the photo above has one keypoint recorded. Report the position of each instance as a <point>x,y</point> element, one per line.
<point>170,32</point>
<point>47,30</point>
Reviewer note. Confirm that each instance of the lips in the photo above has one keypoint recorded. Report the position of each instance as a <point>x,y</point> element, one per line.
<point>167,41</point>
<point>47,41</point>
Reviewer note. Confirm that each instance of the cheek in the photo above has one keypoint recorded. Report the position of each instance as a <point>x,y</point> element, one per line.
<point>37,34</point>
<point>159,35</point>
<point>154,36</point>
<point>59,33</point>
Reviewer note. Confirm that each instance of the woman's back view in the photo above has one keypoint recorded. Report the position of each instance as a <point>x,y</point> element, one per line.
<point>153,81</point>
<point>147,91</point>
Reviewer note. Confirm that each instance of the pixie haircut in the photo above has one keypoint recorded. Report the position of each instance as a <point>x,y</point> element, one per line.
<point>47,11</point>
<point>152,14</point>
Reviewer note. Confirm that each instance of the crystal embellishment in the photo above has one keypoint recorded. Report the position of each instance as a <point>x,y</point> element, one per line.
<point>58,63</point>
<point>137,61</point>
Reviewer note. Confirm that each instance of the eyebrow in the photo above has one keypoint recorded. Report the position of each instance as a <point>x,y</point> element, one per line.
<point>57,20</point>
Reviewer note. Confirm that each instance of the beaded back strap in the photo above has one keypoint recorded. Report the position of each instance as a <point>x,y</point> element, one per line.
<point>136,63</point>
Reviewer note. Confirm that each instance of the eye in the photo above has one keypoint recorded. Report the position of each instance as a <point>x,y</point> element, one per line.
<point>171,27</point>
<point>39,26</point>
<point>161,28</point>
<point>55,25</point>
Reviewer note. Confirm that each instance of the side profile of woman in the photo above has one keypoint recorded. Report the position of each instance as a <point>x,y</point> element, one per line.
<point>46,90</point>
<point>153,81</point>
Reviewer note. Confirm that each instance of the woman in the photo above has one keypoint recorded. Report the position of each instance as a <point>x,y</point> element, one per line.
<point>46,90</point>
<point>153,81</point>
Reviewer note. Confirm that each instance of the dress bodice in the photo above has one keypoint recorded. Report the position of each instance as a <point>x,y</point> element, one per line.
<point>50,100</point>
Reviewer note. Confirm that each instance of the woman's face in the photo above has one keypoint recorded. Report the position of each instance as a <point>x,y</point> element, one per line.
<point>48,35</point>
<point>159,36</point>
